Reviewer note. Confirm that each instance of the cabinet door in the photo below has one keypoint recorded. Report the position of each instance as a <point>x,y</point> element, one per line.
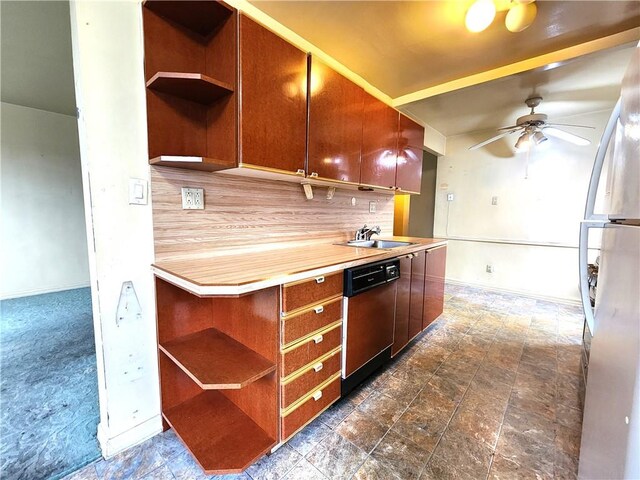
<point>379,144</point>
<point>273,114</point>
<point>335,125</point>
<point>401,328</point>
<point>417,294</point>
<point>409,163</point>
<point>434,285</point>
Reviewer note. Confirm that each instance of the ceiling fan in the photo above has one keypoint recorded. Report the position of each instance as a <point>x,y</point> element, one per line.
<point>534,127</point>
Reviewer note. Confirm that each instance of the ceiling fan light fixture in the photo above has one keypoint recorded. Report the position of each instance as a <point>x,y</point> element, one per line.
<point>524,142</point>
<point>520,16</point>
<point>539,137</point>
<point>480,15</point>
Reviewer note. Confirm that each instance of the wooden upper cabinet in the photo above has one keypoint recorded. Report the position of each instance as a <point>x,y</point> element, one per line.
<point>335,125</point>
<point>409,163</point>
<point>190,73</point>
<point>379,144</point>
<point>273,106</point>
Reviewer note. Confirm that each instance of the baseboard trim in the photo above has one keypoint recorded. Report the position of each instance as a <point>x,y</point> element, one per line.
<point>40,291</point>
<point>564,301</point>
<point>130,438</point>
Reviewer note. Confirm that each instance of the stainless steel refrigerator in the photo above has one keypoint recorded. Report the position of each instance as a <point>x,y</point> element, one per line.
<point>610,446</point>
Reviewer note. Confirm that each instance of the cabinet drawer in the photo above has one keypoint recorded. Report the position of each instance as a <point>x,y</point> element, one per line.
<point>297,295</point>
<point>310,320</point>
<point>310,378</point>
<point>305,352</point>
<point>310,408</point>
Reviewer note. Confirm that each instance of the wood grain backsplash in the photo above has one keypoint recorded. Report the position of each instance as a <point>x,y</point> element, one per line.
<point>242,213</point>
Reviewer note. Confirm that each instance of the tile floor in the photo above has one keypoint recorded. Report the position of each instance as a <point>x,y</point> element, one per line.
<point>492,390</point>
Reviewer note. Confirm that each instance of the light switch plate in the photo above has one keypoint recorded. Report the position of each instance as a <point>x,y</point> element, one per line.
<point>138,191</point>
<point>372,207</point>
<point>192,198</point>
<point>450,197</point>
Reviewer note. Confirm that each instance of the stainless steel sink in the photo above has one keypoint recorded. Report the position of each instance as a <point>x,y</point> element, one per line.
<point>377,244</point>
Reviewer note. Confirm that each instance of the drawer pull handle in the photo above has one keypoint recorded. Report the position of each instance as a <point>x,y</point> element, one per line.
<point>317,367</point>
<point>318,338</point>
<point>319,309</point>
<point>318,395</point>
<point>320,279</point>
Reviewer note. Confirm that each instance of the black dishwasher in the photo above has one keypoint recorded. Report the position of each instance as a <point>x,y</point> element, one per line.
<point>369,314</point>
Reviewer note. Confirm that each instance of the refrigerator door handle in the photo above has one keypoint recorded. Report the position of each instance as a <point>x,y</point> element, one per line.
<point>583,261</point>
<point>598,163</point>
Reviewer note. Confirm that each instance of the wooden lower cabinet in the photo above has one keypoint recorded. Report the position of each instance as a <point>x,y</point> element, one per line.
<point>417,294</point>
<point>308,378</point>
<point>403,297</point>
<point>311,350</point>
<point>420,297</point>
<point>310,407</point>
<point>434,285</point>
<point>310,320</point>
<point>218,377</point>
<point>301,295</point>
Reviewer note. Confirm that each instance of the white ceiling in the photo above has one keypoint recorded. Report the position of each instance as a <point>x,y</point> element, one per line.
<point>586,84</point>
<point>401,47</point>
<point>37,69</point>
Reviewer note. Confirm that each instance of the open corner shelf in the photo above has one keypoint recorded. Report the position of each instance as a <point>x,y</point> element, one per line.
<point>221,437</point>
<point>190,86</point>
<point>216,361</point>
<point>200,16</point>
<point>205,164</point>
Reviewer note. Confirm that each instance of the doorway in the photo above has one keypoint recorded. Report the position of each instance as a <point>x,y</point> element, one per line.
<point>48,387</point>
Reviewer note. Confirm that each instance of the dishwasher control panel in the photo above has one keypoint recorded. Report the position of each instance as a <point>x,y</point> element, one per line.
<point>363,278</point>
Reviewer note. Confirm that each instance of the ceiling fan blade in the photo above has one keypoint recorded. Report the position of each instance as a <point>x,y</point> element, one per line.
<point>568,125</point>
<point>509,128</point>
<point>569,137</point>
<point>492,139</point>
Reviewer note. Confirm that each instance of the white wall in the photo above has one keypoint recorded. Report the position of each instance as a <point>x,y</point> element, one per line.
<point>110,94</point>
<point>44,245</point>
<point>534,219</point>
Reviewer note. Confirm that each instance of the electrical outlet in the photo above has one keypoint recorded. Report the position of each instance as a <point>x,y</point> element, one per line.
<point>494,200</point>
<point>449,197</point>
<point>489,268</point>
<point>372,207</point>
<point>192,198</point>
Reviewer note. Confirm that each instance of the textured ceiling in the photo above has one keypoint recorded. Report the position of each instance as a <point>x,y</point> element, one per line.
<point>403,47</point>
<point>37,69</point>
<point>585,84</point>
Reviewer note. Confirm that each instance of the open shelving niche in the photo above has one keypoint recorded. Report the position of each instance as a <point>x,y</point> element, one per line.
<point>218,361</point>
<point>191,77</point>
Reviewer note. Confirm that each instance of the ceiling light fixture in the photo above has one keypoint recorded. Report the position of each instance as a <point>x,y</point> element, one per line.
<point>524,142</point>
<point>520,15</point>
<point>539,137</point>
<point>480,15</point>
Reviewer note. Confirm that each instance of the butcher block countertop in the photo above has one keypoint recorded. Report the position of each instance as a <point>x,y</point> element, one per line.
<point>238,274</point>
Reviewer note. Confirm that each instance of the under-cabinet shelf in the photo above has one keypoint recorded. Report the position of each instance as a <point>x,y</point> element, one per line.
<point>200,16</point>
<point>206,164</point>
<point>221,437</point>
<point>190,86</point>
<point>216,361</point>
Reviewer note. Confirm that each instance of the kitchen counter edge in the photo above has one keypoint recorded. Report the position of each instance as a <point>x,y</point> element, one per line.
<point>228,289</point>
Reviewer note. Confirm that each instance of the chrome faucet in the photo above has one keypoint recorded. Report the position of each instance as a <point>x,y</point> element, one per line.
<point>365,232</point>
